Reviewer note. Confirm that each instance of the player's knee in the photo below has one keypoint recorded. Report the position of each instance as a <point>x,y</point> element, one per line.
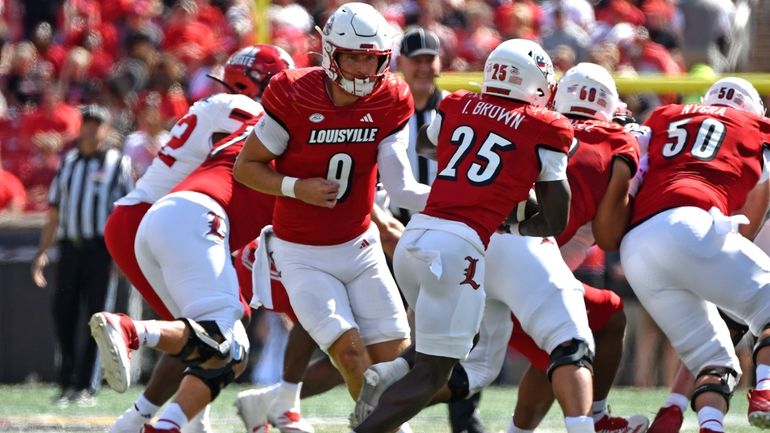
<point>208,348</point>
<point>719,380</point>
<point>217,379</point>
<point>350,359</point>
<point>574,352</point>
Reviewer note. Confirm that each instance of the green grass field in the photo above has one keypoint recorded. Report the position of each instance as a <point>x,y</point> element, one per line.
<point>28,408</point>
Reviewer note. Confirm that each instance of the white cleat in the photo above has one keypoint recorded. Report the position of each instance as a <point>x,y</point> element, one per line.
<point>253,405</point>
<point>290,421</point>
<point>130,421</point>
<point>114,350</point>
<point>616,424</point>
<point>377,379</point>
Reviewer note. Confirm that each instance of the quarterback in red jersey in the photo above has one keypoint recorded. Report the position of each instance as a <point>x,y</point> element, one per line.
<point>329,130</point>
<point>683,255</point>
<point>204,218</point>
<point>492,148</point>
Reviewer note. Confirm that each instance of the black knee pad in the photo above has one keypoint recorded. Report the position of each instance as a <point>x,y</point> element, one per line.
<point>218,378</point>
<point>574,352</point>
<point>205,342</point>
<point>761,342</point>
<point>728,378</point>
<point>737,330</point>
<point>458,383</point>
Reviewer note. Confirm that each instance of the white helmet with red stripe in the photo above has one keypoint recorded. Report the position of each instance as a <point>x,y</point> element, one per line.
<point>737,93</point>
<point>587,89</point>
<point>356,28</point>
<point>519,69</point>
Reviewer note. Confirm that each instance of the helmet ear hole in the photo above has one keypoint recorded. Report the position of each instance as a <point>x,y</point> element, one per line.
<point>519,69</point>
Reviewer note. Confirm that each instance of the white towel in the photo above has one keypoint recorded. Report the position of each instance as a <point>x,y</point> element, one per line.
<point>724,224</point>
<point>260,274</point>
<point>428,256</point>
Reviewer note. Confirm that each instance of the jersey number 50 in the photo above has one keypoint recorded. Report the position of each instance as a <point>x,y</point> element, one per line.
<point>487,162</point>
<point>711,133</point>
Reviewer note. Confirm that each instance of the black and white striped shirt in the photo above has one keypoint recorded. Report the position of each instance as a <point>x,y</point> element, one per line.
<point>84,189</point>
<point>424,169</point>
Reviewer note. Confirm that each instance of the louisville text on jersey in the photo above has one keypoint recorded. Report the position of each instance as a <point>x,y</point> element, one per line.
<point>342,135</point>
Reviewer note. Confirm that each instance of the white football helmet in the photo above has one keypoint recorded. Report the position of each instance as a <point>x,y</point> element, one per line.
<point>588,90</point>
<point>356,28</point>
<point>737,93</point>
<point>519,69</point>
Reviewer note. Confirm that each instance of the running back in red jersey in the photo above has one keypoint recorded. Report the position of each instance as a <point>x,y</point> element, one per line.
<point>490,151</point>
<point>701,155</point>
<point>333,143</point>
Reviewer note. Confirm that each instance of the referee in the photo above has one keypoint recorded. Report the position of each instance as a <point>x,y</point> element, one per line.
<point>420,63</point>
<point>89,179</point>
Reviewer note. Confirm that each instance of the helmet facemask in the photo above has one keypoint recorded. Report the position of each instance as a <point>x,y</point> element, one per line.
<point>355,28</point>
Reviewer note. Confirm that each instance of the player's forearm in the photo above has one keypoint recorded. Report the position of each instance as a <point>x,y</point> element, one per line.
<point>48,235</point>
<point>397,178</point>
<point>258,175</point>
<point>614,210</point>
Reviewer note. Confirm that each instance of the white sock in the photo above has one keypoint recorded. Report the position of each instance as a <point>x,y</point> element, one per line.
<point>288,396</point>
<point>676,399</point>
<point>579,424</point>
<point>599,409</point>
<point>149,332</point>
<point>145,408</point>
<point>172,417</point>
<point>711,418</point>
<point>763,377</point>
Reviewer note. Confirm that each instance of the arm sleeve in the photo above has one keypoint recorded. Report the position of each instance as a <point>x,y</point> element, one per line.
<point>553,165</point>
<point>272,135</point>
<point>396,172</point>
<point>434,128</point>
<point>765,166</point>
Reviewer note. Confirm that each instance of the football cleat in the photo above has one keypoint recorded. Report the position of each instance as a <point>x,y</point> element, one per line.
<point>616,424</point>
<point>115,335</point>
<point>150,429</point>
<point>290,421</point>
<point>668,420</point>
<point>377,379</point>
<point>130,421</point>
<point>252,406</point>
<point>759,408</point>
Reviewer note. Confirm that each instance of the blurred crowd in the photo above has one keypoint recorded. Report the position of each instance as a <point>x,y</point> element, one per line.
<point>146,61</point>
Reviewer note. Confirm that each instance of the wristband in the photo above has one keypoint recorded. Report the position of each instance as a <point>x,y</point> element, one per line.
<point>287,186</point>
<point>514,229</point>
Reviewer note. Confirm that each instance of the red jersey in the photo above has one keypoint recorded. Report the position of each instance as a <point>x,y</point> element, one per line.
<point>337,143</point>
<point>488,155</point>
<point>590,167</point>
<point>247,210</point>
<point>702,156</point>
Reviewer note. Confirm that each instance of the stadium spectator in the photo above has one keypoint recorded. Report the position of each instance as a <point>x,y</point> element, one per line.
<point>87,182</point>
<point>707,31</point>
<point>13,198</point>
<point>566,32</point>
